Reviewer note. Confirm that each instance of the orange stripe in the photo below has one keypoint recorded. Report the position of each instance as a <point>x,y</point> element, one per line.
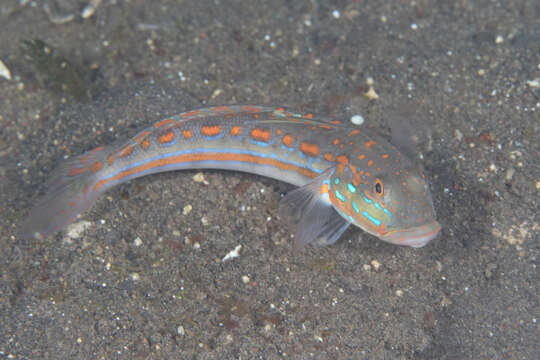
<point>249,159</point>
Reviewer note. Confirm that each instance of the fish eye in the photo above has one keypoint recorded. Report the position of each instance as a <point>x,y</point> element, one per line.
<point>379,188</point>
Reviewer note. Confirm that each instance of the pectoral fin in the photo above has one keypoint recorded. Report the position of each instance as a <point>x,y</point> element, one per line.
<point>312,214</point>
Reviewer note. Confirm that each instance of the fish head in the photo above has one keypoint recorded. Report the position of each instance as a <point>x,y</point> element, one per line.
<point>395,207</point>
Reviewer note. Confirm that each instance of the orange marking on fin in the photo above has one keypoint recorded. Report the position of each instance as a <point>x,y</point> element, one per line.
<point>126,151</point>
<point>167,137</point>
<point>211,130</point>
<point>190,114</point>
<point>308,116</point>
<point>221,109</point>
<point>263,135</point>
<point>110,160</point>
<point>326,127</point>
<point>385,156</point>
<point>342,159</point>
<point>251,109</point>
<point>288,140</point>
<point>310,149</point>
<point>77,171</point>
<point>247,158</point>
<point>361,157</point>
<point>145,144</point>
<point>236,130</point>
<point>335,142</point>
<point>163,123</point>
<point>353,168</point>
<point>369,144</point>
<point>139,137</point>
<point>354,132</point>
<point>335,122</point>
<point>370,162</point>
<point>98,165</point>
<point>278,132</point>
<point>329,157</point>
<point>187,134</point>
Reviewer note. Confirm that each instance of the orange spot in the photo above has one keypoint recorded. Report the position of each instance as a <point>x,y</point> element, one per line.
<point>187,134</point>
<point>370,162</point>
<point>263,135</point>
<point>236,130</point>
<point>368,174</point>
<point>369,144</point>
<point>167,137</point>
<point>110,160</point>
<point>342,159</point>
<point>335,122</point>
<point>329,157</point>
<point>210,130</point>
<point>326,127</point>
<point>308,116</point>
<point>163,123</point>
<point>354,132</point>
<point>324,189</point>
<point>97,166</point>
<point>278,132</point>
<point>145,144</point>
<point>335,142</point>
<point>385,156</point>
<point>288,140</point>
<point>361,157</point>
<point>310,149</point>
<point>313,128</point>
<point>353,168</point>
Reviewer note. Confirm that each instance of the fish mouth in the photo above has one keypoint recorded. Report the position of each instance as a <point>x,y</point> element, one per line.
<point>416,237</point>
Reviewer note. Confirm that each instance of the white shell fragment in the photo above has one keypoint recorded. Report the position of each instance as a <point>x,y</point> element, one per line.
<point>4,71</point>
<point>232,254</point>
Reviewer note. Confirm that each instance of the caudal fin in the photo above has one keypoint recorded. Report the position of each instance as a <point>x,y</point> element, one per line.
<point>68,195</point>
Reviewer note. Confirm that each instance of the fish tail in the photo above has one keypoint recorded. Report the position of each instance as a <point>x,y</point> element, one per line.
<point>69,193</point>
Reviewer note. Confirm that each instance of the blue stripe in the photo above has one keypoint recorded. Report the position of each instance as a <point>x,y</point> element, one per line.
<point>371,218</point>
<point>355,207</point>
<point>339,196</point>
<point>261,143</point>
<point>218,136</point>
<point>207,150</point>
<point>369,201</point>
<point>387,212</point>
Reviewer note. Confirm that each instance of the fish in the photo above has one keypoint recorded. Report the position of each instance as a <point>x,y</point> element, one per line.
<point>344,174</point>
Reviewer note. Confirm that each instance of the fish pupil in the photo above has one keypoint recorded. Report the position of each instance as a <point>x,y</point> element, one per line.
<point>378,188</point>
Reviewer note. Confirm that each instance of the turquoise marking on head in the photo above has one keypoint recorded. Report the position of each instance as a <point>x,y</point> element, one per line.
<point>371,218</point>
<point>355,207</point>
<point>351,188</point>
<point>387,212</point>
<point>369,201</point>
<point>336,181</point>
<point>379,207</point>
<point>339,196</point>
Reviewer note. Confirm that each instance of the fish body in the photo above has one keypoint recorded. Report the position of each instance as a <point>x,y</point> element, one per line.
<point>345,175</point>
